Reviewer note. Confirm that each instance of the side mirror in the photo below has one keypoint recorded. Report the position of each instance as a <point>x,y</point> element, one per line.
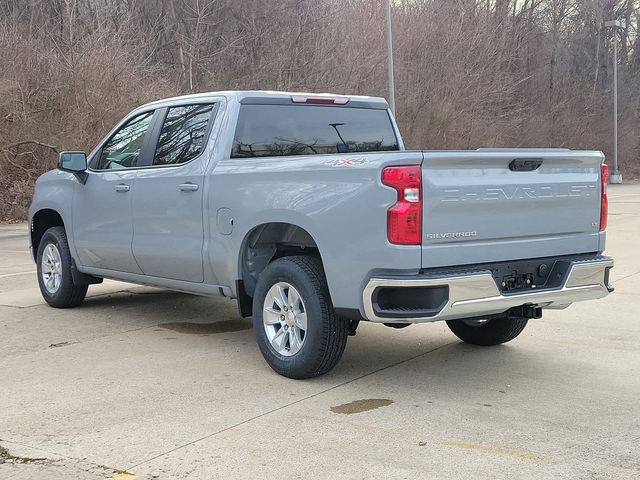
<point>74,162</point>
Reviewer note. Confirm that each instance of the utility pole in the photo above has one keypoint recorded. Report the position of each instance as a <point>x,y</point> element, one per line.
<point>392,88</point>
<point>616,176</point>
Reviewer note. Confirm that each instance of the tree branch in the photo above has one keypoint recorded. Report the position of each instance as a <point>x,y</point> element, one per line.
<point>29,142</point>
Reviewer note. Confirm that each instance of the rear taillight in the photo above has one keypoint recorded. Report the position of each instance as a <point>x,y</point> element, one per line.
<point>404,218</point>
<point>604,201</point>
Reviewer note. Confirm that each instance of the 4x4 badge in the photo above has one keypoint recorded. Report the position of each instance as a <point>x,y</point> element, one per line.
<point>347,162</point>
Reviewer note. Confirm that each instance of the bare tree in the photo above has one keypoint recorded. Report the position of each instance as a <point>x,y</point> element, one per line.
<point>469,73</point>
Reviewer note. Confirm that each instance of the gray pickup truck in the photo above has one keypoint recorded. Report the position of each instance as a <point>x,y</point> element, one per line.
<point>308,210</point>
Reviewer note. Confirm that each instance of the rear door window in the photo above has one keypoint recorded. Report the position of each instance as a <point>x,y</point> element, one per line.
<point>183,135</point>
<point>282,130</point>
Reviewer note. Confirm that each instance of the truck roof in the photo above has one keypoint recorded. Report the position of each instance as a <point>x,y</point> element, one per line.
<point>271,97</point>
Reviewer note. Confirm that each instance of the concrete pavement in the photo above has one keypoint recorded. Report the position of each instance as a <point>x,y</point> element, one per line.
<point>144,383</point>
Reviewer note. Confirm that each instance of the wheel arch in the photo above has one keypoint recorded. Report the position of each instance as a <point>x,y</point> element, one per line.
<point>263,244</point>
<point>42,220</point>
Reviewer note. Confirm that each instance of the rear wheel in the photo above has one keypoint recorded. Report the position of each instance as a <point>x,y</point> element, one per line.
<point>487,332</point>
<point>54,271</point>
<point>296,328</point>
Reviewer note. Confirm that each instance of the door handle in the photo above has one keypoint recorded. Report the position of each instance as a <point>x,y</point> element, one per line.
<point>121,187</point>
<point>188,187</point>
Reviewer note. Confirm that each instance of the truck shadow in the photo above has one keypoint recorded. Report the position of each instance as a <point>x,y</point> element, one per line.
<point>423,357</point>
<point>142,306</point>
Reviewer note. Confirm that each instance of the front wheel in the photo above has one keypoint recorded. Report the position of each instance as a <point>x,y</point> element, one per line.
<point>487,332</point>
<point>296,328</point>
<point>54,271</point>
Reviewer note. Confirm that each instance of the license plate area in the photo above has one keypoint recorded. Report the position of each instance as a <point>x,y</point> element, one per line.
<point>517,281</point>
<point>516,277</point>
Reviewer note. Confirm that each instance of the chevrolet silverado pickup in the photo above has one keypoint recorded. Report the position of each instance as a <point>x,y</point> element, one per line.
<point>309,211</point>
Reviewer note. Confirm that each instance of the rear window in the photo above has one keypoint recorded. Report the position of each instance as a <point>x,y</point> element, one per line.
<point>183,134</point>
<point>280,130</point>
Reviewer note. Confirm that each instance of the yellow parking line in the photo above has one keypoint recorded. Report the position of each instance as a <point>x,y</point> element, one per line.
<point>123,476</point>
<point>5,275</point>
<point>496,450</point>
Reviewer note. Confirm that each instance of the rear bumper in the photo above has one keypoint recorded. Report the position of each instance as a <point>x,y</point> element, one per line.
<point>475,294</point>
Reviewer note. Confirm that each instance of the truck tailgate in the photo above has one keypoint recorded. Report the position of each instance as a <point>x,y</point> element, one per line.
<point>494,205</point>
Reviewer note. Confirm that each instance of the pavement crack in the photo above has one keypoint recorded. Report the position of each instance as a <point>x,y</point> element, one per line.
<point>61,461</point>
<point>16,274</point>
<point>7,457</point>
<point>70,343</point>
<point>88,299</point>
<point>282,407</point>
<point>627,276</point>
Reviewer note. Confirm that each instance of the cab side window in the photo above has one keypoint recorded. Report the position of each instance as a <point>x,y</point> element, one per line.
<point>123,149</point>
<point>183,134</point>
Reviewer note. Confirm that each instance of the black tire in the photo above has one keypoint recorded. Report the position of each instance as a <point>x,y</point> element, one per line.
<point>68,294</point>
<point>492,332</point>
<point>326,334</point>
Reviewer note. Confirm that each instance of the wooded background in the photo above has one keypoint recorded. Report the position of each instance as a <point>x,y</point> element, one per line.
<point>469,73</point>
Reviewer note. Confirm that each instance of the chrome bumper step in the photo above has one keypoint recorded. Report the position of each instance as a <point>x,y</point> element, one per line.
<point>476,293</point>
